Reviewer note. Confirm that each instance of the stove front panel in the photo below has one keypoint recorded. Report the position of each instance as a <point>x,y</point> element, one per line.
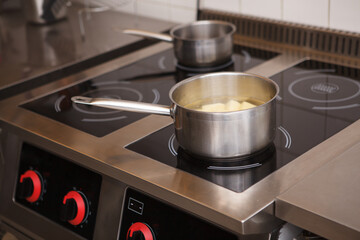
<point>48,196</point>
<point>144,217</point>
<point>58,189</point>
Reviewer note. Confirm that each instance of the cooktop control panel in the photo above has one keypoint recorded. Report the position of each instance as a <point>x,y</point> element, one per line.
<point>145,217</point>
<point>58,190</point>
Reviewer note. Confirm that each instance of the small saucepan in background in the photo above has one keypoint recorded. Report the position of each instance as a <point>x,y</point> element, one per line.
<point>198,44</point>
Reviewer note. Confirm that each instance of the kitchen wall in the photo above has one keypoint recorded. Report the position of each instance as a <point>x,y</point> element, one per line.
<point>335,14</point>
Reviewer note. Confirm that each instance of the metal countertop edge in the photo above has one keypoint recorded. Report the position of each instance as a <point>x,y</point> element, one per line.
<point>328,207</point>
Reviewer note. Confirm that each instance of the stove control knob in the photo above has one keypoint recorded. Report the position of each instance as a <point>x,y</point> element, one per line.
<point>31,186</point>
<point>140,231</point>
<point>74,208</point>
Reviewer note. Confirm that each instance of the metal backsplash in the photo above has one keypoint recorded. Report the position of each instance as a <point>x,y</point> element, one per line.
<point>304,36</point>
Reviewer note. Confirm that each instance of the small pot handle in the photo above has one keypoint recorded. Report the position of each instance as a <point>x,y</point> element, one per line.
<point>142,33</point>
<point>125,105</point>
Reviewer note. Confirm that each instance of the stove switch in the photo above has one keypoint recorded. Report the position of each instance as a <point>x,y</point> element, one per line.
<point>30,186</point>
<point>140,231</point>
<point>74,208</point>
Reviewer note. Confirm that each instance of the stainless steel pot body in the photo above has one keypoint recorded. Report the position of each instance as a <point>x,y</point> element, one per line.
<point>198,44</point>
<point>215,135</point>
<point>225,134</point>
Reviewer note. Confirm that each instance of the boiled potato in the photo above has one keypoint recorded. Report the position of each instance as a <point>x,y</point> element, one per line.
<point>213,107</point>
<point>231,105</point>
<point>246,105</point>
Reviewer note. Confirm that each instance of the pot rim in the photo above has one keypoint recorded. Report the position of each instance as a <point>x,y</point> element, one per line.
<point>197,77</point>
<point>203,22</point>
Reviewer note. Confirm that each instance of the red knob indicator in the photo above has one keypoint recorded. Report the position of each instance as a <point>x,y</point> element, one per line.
<point>140,230</point>
<point>74,208</point>
<point>31,186</point>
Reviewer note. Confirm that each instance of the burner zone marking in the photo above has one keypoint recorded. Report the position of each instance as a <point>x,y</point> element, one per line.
<point>103,119</point>
<point>136,92</point>
<point>171,145</point>
<point>161,63</point>
<point>139,94</point>
<point>58,102</point>
<point>336,108</point>
<point>157,95</point>
<point>222,168</point>
<point>330,70</point>
<point>247,56</point>
<point>292,92</point>
<point>325,88</point>
<point>287,137</point>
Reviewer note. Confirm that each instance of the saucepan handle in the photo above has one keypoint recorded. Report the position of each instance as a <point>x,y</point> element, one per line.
<point>147,34</point>
<point>125,105</point>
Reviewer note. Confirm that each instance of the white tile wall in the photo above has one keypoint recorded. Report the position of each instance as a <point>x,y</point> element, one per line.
<point>268,9</point>
<point>182,11</point>
<point>128,7</point>
<point>345,15</point>
<point>335,14</point>
<point>221,5</point>
<point>183,3</point>
<point>178,11</point>
<point>158,9</point>
<point>312,12</point>
<point>182,15</point>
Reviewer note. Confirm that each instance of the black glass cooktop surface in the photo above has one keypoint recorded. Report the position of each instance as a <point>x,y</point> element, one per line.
<point>148,80</point>
<point>237,175</point>
<point>316,101</point>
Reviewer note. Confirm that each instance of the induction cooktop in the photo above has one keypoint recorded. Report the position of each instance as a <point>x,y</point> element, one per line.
<point>148,80</point>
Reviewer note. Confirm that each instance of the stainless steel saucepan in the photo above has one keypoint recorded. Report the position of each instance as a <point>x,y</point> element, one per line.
<point>216,115</point>
<point>198,44</point>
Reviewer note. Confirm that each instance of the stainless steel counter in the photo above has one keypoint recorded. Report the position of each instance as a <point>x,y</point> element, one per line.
<point>43,53</point>
<point>327,201</point>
